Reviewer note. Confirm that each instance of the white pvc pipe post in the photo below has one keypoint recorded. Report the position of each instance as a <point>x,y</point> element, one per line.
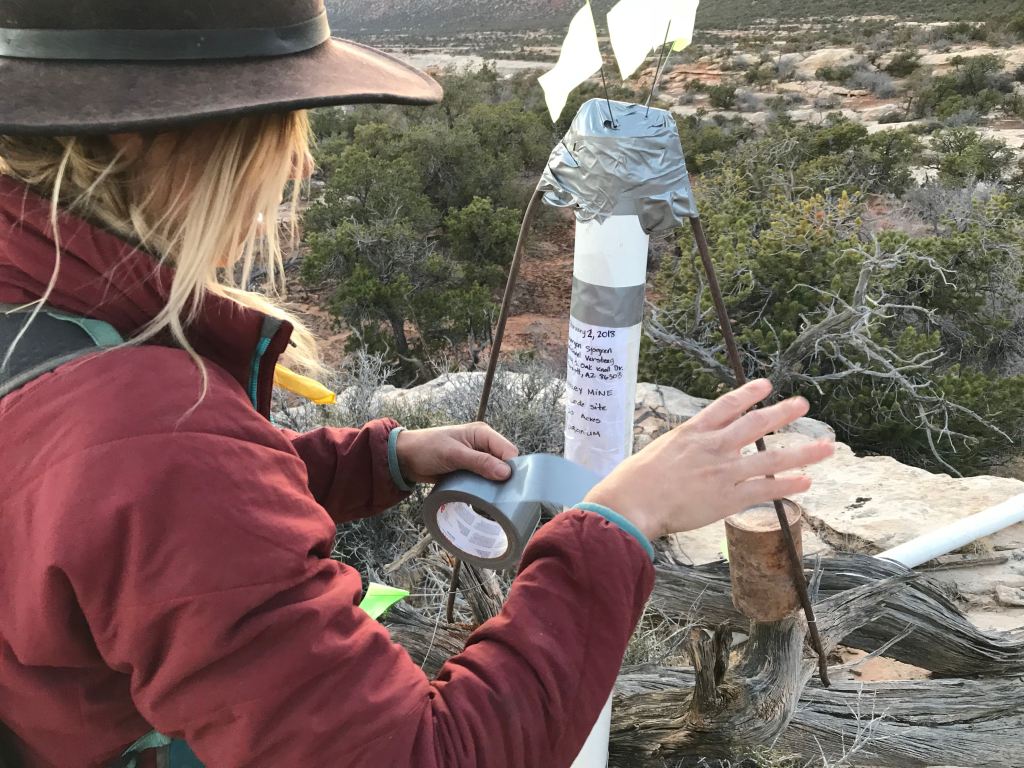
<point>959,534</point>
<point>609,279</point>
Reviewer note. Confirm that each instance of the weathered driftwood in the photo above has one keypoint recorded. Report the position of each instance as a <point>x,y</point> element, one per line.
<point>729,711</point>
<point>761,695</point>
<point>903,724</point>
<point>941,639</point>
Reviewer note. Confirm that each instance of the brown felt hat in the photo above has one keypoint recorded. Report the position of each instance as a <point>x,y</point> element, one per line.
<point>100,66</point>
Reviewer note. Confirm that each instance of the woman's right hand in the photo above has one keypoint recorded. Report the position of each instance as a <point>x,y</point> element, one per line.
<point>695,474</point>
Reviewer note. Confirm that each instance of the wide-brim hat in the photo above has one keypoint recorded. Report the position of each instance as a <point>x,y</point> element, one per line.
<point>103,66</point>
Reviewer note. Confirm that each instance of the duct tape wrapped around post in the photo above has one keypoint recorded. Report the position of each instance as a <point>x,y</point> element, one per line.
<point>621,168</point>
<point>489,523</point>
<point>621,159</point>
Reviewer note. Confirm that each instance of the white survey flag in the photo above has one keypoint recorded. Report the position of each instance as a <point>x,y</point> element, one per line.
<point>638,26</point>
<point>580,58</point>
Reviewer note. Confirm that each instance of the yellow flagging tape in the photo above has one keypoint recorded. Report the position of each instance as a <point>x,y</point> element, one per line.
<point>303,386</point>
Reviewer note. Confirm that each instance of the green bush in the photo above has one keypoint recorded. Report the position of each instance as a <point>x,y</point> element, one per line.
<point>760,76</point>
<point>790,247</point>
<point>722,96</point>
<point>418,216</point>
<point>977,84</point>
<point>705,141</point>
<point>965,156</point>
<point>1016,25</point>
<point>965,31</point>
<point>836,74</point>
<point>904,63</point>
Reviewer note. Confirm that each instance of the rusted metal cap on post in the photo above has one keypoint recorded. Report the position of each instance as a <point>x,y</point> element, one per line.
<point>762,575</point>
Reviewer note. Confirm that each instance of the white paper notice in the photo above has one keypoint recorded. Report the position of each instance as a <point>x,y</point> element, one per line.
<point>600,386</point>
<point>580,58</point>
<point>638,26</point>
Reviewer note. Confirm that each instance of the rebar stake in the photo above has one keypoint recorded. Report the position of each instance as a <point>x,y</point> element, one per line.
<point>796,565</point>
<point>532,208</point>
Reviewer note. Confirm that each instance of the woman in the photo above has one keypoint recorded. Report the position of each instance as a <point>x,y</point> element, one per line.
<point>165,562</point>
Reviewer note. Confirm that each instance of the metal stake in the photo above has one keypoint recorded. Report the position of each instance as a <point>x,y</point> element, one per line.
<point>797,567</point>
<point>492,364</point>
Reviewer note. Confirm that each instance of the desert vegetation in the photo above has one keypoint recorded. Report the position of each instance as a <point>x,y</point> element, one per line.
<point>861,181</point>
<point>876,271</point>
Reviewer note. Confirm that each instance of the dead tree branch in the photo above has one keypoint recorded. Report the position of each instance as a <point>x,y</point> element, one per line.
<point>738,699</point>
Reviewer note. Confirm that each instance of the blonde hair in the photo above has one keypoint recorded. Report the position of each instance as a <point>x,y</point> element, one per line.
<point>215,221</point>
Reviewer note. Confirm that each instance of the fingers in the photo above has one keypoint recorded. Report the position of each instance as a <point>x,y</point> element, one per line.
<point>782,460</point>
<point>484,453</point>
<point>729,407</point>
<point>483,438</point>
<point>480,463</point>
<point>756,424</point>
<point>762,490</point>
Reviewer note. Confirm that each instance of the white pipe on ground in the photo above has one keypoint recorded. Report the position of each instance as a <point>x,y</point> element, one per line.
<point>606,315</point>
<point>959,534</point>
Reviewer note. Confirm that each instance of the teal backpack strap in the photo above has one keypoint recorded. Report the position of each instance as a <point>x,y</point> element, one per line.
<point>51,340</point>
<point>170,753</point>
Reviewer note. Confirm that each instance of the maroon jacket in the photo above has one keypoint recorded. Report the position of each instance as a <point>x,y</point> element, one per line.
<point>168,567</point>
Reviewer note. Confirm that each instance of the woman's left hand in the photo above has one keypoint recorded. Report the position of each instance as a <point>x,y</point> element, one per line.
<point>426,455</point>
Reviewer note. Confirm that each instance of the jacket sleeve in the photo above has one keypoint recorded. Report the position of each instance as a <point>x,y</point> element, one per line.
<point>211,586</point>
<point>348,468</point>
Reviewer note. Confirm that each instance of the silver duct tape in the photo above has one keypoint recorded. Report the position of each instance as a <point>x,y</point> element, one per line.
<point>632,163</point>
<point>606,306</point>
<point>511,509</point>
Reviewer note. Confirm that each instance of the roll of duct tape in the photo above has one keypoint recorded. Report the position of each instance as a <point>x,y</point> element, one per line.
<point>489,523</point>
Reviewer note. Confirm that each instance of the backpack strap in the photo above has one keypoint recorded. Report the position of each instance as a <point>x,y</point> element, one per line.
<point>52,339</point>
<point>170,753</point>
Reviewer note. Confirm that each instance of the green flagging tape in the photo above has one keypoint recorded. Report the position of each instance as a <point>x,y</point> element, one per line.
<point>380,597</point>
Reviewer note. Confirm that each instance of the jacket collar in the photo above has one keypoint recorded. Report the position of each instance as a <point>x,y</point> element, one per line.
<point>104,277</point>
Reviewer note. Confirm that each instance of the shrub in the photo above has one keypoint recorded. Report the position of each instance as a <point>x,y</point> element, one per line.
<point>760,76</point>
<point>706,142</point>
<point>963,31</point>
<point>722,96</point>
<point>878,83</point>
<point>964,156</point>
<point>904,63</point>
<point>1016,25</point>
<point>826,101</point>
<point>892,117</point>
<point>747,101</point>
<point>1014,105</point>
<point>418,217</point>
<point>786,67</point>
<point>836,74</point>
<point>977,83</point>
<point>788,263</point>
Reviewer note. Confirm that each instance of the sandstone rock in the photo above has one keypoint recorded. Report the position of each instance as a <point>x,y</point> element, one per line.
<point>786,64</point>
<point>677,406</point>
<point>744,61</point>
<point>1012,597</point>
<point>875,503</point>
<point>829,57</point>
<point>1012,56</point>
<point>1012,137</point>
